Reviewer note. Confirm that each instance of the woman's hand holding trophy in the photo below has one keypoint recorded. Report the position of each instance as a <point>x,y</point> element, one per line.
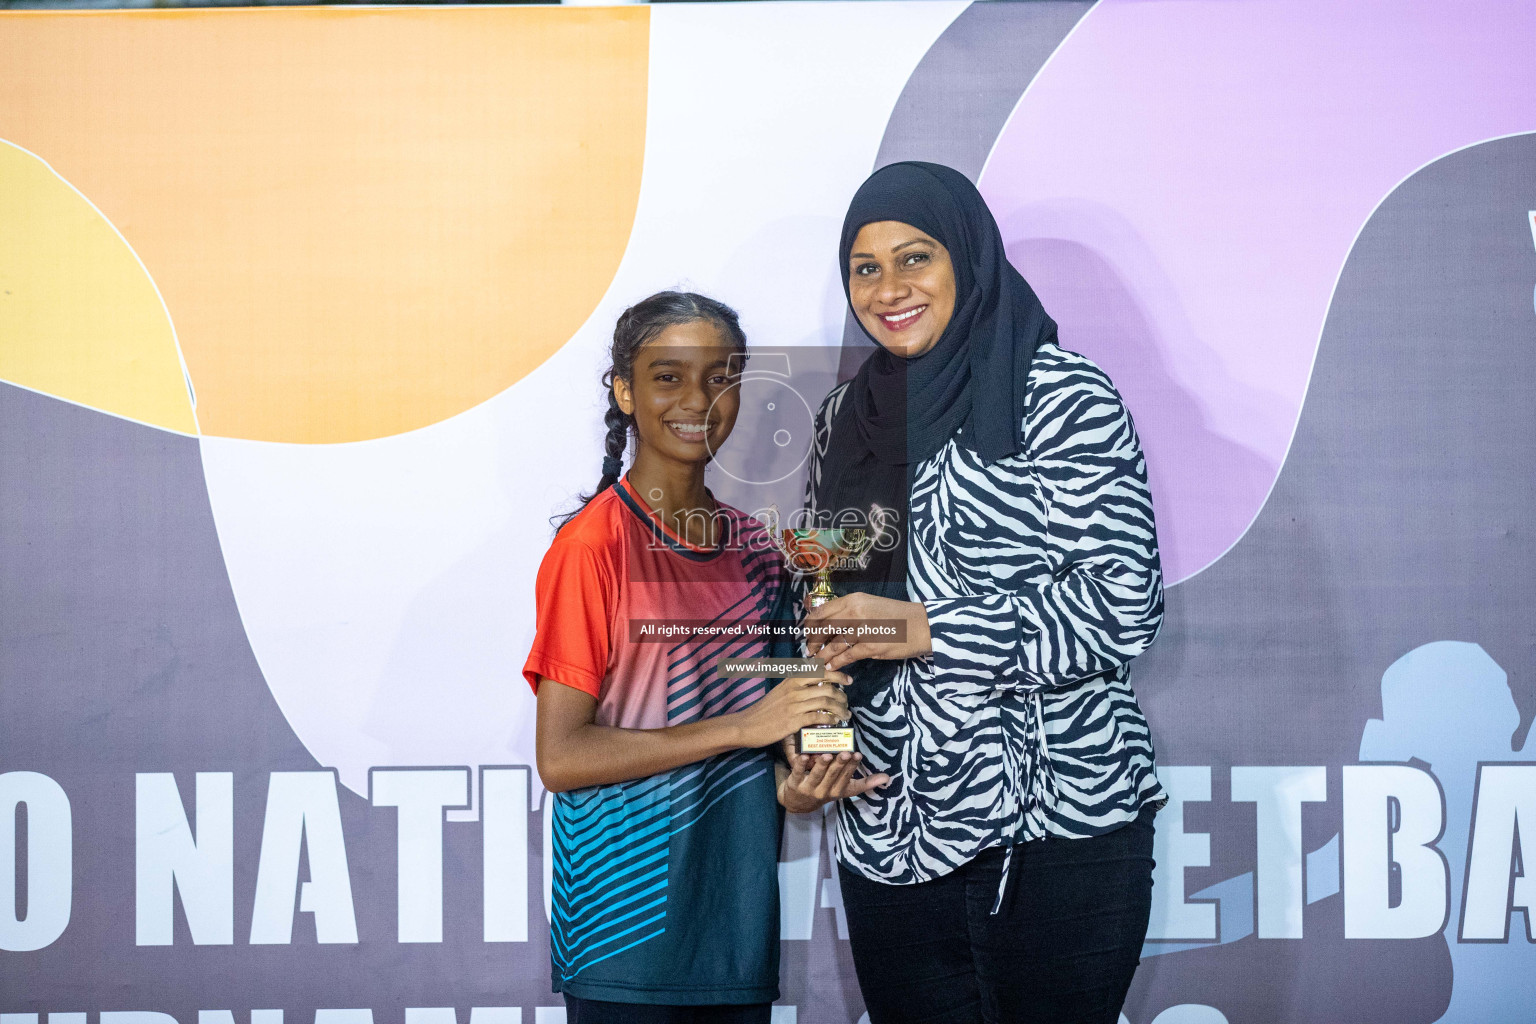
<point>906,623</point>
<point>812,781</point>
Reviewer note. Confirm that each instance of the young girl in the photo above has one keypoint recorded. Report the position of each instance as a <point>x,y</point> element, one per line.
<point>665,899</point>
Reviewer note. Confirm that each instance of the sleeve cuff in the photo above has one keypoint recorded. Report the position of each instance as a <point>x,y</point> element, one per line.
<point>570,675</point>
<point>976,639</point>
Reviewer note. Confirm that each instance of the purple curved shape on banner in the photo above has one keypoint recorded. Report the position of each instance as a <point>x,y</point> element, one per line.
<point>1182,183</point>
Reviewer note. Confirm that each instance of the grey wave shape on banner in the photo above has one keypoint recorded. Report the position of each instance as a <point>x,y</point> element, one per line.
<point>1399,519</point>
<point>122,651</point>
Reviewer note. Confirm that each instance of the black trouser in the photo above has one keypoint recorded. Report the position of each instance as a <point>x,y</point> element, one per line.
<point>594,1011</point>
<point>1061,950</point>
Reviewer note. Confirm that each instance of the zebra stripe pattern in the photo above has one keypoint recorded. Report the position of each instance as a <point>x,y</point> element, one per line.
<point>1041,580</point>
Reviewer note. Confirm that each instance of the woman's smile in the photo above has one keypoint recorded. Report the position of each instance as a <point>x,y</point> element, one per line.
<point>902,318</point>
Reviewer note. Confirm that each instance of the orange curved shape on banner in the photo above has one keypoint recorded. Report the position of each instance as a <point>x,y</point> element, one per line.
<point>79,317</point>
<point>362,222</point>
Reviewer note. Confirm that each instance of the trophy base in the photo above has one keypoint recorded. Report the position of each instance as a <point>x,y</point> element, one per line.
<point>824,739</point>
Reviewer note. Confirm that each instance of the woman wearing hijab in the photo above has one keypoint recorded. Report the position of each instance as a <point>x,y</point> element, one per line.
<point>1004,873</point>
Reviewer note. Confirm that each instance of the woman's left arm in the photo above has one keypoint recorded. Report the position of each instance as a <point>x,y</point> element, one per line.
<point>1103,604</point>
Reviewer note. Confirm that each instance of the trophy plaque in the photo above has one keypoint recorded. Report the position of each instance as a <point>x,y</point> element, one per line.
<point>820,552</point>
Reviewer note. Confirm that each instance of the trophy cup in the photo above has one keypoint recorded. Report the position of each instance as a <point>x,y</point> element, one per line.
<point>821,552</point>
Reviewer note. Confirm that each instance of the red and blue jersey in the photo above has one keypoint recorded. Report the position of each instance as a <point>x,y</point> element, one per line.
<point>665,889</point>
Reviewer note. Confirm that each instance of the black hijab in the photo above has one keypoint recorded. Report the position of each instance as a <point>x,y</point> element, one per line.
<point>899,412</point>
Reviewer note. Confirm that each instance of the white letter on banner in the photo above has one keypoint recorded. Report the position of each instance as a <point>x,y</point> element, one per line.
<point>478,1015</point>
<point>302,808</point>
<point>799,870</point>
<point>135,1017</point>
<point>1372,845</point>
<point>1503,817</point>
<point>504,845</point>
<point>167,859</point>
<point>1279,793</point>
<point>343,1017</point>
<point>421,795</point>
<point>1174,850</point>
<point>50,861</point>
<point>228,1017</point>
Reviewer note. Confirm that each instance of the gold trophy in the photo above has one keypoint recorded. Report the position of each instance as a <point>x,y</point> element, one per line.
<point>822,552</point>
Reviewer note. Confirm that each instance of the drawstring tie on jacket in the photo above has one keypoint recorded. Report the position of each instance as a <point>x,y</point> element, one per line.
<point>1005,892</point>
<point>1002,885</point>
<point>1036,757</point>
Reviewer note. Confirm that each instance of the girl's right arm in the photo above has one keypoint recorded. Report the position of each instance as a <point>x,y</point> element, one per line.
<point>575,752</point>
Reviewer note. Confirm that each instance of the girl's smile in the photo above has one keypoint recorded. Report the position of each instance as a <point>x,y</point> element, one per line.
<point>691,431</point>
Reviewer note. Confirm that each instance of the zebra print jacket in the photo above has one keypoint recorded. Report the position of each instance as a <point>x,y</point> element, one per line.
<point>1041,580</point>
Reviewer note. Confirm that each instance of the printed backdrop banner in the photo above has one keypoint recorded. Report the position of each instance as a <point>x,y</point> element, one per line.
<point>302,316</point>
